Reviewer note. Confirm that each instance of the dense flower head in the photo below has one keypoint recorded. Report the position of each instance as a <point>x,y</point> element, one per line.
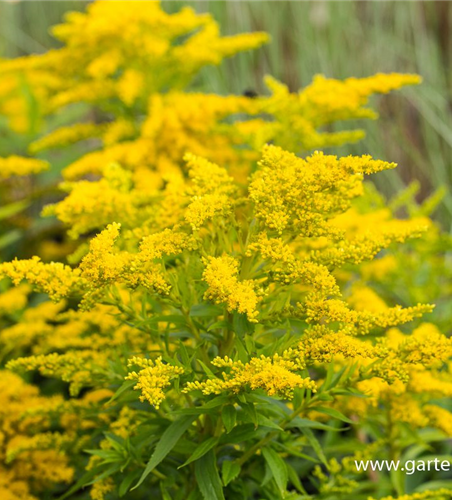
<point>276,376</point>
<point>221,275</point>
<point>152,378</point>
<point>55,279</point>
<point>16,165</point>
<point>297,194</point>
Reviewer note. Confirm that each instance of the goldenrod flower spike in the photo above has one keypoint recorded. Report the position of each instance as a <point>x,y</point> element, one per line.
<point>152,378</point>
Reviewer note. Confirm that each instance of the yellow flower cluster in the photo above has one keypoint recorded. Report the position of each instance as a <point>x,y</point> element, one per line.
<point>220,274</point>
<point>103,265</point>
<point>34,325</point>
<point>90,205</point>
<point>55,279</point>
<point>336,483</point>
<point>288,269</point>
<point>14,299</point>
<point>101,488</point>
<point>152,378</point>
<point>31,456</point>
<point>174,122</point>
<point>318,309</point>
<point>440,418</point>
<point>295,194</point>
<point>65,136</point>
<point>74,367</point>
<point>210,191</point>
<point>17,165</point>
<point>322,345</point>
<point>276,376</point>
<point>315,194</point>
<point>43,441</point>
<point>168,242</point>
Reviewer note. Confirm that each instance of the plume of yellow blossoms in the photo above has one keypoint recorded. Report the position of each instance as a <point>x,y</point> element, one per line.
<point>295,194</point>
<point>224,287</point>
<point>152,378</point>
<point>55,279</point>
<point>32,459</point>
<point>276,376</point>
<point>16,165</point>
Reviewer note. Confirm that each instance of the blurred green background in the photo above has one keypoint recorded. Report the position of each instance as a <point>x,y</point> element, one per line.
<point>338,39</point>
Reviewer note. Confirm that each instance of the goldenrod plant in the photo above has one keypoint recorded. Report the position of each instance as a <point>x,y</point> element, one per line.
<point>237,315</point>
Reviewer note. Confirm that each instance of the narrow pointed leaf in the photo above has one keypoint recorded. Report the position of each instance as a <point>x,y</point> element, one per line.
<point>201,450</point>
<point>167,442</point>
<point>278,468</point>
<point>207,477</point>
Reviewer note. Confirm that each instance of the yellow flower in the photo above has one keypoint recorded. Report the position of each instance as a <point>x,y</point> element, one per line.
<point>291,193</point>
<point>439,418</point>
<point>55,279</point>
<point>14,299</point>
<point>220,274</point>
<point>277,376</point>
<point>152,378</point>
<point>18,165</point>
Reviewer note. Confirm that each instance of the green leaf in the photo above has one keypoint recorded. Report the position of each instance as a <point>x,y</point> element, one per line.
<point>241,325</point>
<point>217,325</point>
<point>229,471</point>
<point>329,377</point>
<point>295,480</point>
<point>109,471</point>
<point>241,350</point>
<point>208,407</point>
<point>10,238</point>
<point>164,491</point>
<point>333,413</point>
<point>298,395</point>
<point>310,424</point>
<point>206,369</point>
<point>250,410</point>
<point>240,433</point>
<point>127,481</point>
<point>128,384</point>
<point>201,450</point>
<point>167,442</point>
<point>278,468</point>
<point>200,310</point>
<point>398,481</point>
<point>184,354</point>
<point>264,421</point>
<point>13,208</point>
<point>207,477</point>
<point>229,416</point>
<point>315,445</point>
<point>332,378</point>
<point>83,481</point>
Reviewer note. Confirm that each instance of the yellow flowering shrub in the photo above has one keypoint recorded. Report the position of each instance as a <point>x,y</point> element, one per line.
<point>235,315</point>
